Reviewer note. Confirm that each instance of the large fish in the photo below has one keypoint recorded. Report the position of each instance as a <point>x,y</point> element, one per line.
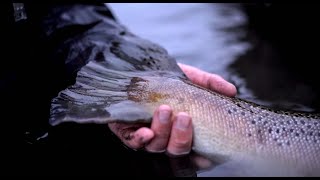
<point>127,78</point>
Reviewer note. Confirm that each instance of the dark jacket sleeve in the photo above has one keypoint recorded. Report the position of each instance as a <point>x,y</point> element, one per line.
<point>65,38</point>
<point>48,48</point>
<point>69,34</point>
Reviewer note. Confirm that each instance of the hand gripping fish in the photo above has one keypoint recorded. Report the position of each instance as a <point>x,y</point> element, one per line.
<point>126,78</point>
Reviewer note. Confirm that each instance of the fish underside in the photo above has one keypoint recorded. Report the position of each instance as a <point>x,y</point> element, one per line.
<point>135,76</point>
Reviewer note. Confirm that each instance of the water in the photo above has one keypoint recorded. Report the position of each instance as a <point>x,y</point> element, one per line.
<point>176,27</point>
<point>223,39</point>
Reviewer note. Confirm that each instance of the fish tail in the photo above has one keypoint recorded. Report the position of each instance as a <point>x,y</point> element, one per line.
<point>100,95</point>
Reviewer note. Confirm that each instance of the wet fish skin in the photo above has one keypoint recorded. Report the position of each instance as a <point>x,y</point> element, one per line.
<point>231,129</point>
<point>135,76</point>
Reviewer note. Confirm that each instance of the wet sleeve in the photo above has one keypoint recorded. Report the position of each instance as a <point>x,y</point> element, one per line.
<point>54,43</point>
<point>67,30</point>
<point>42,58</point>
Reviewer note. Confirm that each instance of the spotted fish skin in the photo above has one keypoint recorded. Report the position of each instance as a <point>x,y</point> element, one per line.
<point>225,129</point>
<point>232,129</point>
<point>124,78</point>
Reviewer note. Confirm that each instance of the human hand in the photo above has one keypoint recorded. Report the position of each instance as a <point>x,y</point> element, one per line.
<point>210,81</point>
<point>168,133</point>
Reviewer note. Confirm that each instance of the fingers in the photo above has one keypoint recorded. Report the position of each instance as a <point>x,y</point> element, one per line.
<point>218,84</point>
<point>208,80</point>
<point>140,137</point>
<point>134,136</point>
<point>164,134</point>
<point>181,136</point>
<point>174,137</point>
<point>161,126</point>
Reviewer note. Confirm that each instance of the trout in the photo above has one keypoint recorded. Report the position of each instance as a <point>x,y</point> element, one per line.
<point>135,76</point>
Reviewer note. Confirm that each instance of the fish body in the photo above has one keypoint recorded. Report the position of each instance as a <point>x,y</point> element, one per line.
<point>136,76</point>
<point>232,129</point>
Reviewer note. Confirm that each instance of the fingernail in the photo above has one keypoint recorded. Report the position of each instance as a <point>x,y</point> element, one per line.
<point>183,122</point>
<point>164,116</point>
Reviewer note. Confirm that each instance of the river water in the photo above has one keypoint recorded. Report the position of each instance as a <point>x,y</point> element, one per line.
<point>193,33</point>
